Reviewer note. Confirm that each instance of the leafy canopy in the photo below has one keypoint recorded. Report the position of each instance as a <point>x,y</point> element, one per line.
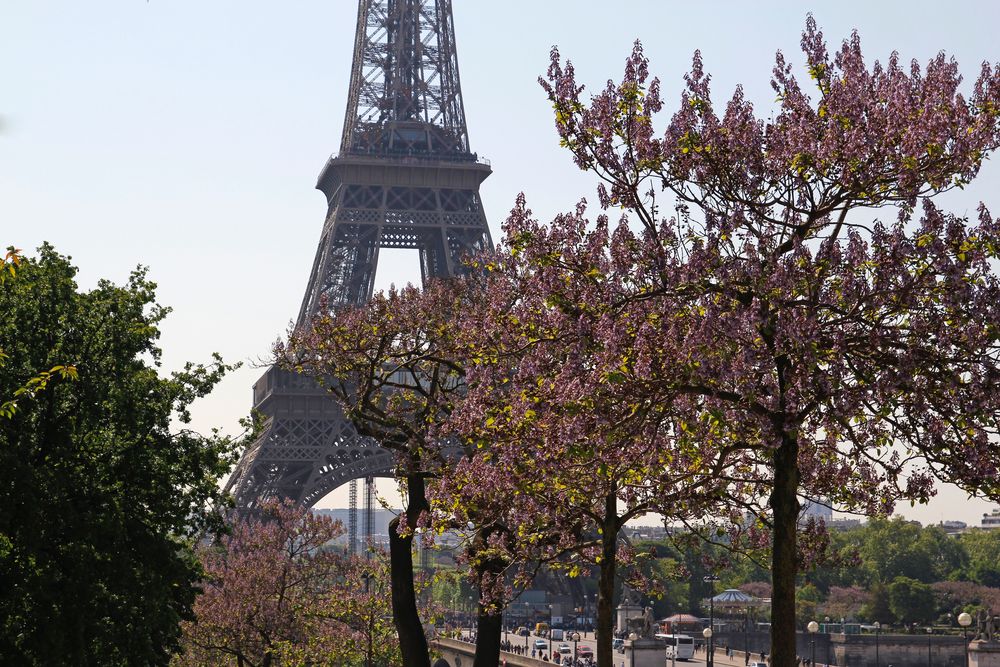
<point>99,497</point>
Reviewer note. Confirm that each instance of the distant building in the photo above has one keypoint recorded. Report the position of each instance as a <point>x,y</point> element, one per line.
<point>818,509</point>
<point>991,520</point>
<point>636,533</point>
<point>953,527</point>
<point>843,524</point>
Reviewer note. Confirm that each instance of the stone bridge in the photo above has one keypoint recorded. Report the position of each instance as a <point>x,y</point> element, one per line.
<point>456,653</point>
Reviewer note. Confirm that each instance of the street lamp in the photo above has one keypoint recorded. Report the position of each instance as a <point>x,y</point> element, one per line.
<point>707,634</point>
<point>828,642</point>
<point>965,620</point>
<point>586,612</point>
<point>929,631</point>
<point>550,632</point>
<point>711,579</point>
<point>878,626</point>
<point>470,618</point>
<point>673,654</point>
<point>575,637</point>
<point>527,632</point>
<point>812,628</point>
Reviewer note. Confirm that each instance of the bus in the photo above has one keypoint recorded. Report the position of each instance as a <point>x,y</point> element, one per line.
<point>680,647</point>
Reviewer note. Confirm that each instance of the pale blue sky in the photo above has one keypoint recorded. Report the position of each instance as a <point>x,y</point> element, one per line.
<point>187,135</point>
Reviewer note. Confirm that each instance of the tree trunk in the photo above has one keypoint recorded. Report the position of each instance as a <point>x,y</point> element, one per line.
<point>490,626</point>
<point>488,632</point>
<point>412,642</point>
<point>784,561</point>
<point>606,583</point>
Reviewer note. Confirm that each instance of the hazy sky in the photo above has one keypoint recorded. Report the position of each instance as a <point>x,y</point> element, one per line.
<point>187,135</point>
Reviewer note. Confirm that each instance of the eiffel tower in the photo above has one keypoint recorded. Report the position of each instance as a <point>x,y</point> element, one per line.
<point>404,178</point>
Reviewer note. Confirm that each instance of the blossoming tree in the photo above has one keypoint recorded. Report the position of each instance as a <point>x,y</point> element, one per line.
<point>811,351</point>
<point>277,592</point>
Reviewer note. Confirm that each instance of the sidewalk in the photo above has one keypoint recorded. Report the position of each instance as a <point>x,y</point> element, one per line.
<point>737,660</point>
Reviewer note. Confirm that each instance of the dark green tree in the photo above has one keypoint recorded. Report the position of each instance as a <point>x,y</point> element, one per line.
<point>983,548</point>
<point>877,607</point>
<point>100,499</point>
<point>911,601</point>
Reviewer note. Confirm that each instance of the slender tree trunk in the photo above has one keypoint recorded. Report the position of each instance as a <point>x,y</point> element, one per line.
<point>412,642</point>
<point>784,561</point>
<point>606,583</point>
<point>488,632</point>
<point>489,625</point>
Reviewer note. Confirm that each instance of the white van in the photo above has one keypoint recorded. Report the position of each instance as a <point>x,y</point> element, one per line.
<point>557,634</point>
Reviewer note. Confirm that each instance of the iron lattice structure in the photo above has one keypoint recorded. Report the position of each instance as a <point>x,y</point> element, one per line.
<point>404,178</point>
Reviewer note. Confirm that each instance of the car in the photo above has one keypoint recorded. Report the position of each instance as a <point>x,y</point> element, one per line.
<point>585,652</point>
<point>618,644</point>
<point>565,649</point>
<point>757,664</point>
<point>523,631</point>
<point>541,644</point>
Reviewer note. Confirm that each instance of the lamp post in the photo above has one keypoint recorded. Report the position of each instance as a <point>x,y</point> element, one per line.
<point>878,626</point>
<point>470,618</point>
<point>929,631</point>
<point>826,628</point>
<point>746,635</point>
<point>550,632</point>
<point>711,579</point>
<point>813,627</point>
<point>965,620</point>
<point>586,612</point>
<point>707,634</point>
<point>575,638</point>
<point>527,632</point>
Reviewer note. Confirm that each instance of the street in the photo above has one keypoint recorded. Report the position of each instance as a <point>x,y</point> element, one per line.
<point>621,660</point>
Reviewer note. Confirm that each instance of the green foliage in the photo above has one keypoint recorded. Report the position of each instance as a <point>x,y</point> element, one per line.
<point>665,566</point>
<point>99,500</point>
<point>911,601</point>
<point>8,270</point>
<point>983,549</point>
<point>966,569</point>
<point>807,599</point>
<point>447,589</point>
<point>877,608</point>
<point>890,548</point>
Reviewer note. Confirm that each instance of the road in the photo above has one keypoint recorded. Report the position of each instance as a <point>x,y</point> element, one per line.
<point>588,639</point>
